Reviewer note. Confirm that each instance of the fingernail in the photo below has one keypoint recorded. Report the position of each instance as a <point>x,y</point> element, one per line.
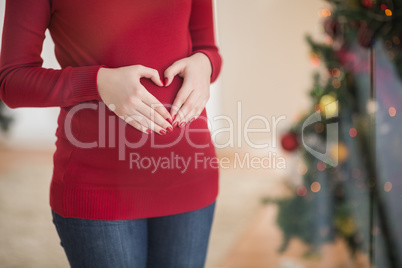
<point>162,81</point>
<point>169,120</point>
<point>169,129</point>
<point>174,117</point>
<point>192,119</point>
<point>166,81</point>
<point>149,131</point>
<point>175,124</point>
<point>162,131</point>
<point>182,124</point>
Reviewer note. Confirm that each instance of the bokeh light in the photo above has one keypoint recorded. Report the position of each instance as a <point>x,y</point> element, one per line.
<point>301,191</point>
<point>321,166</point>
<point>315,187</point>
<point>353,132</point>
<point>319,127</point>
<point>336,72</point>
<point>387,186</point>
<point>392,111</point>
<point>302,169</point>
<point>336,83</point>
<point>325,13</point>
<point>331,106</point>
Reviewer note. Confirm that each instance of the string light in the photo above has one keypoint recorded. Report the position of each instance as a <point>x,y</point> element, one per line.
<point>353,132</point>
<point>331,106</point>
<point>315,60</point>
<point>325,13</point>
<point>336,83</point>
<point>321,166</point>
<point>301,191</point>
<point>336,72</point>
<point>302,169</point>
<point>392,111</point>
<point>387,186</point>
<point>371,106</point>
<point>319,127</point>
<point>388,12</point>
<point>315,187</point>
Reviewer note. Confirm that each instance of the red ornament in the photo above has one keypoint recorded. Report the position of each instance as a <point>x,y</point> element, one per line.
<point>365,36</point>
<point>289,142</point>
<point>331,27</point>
<point>367,3</point>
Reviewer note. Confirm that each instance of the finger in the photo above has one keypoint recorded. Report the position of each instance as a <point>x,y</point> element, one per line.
<point>154,120</point>
<point>131,120</point>
<point>151,74</point>
<point>144,124</point>
<point>173,70</point>
<point>153,102</point>
<point>155,127</point>
<point>190,109</point>
<point>180,98</point>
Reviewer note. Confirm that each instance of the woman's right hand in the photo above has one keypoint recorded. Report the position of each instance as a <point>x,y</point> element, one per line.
<point>120,89</point>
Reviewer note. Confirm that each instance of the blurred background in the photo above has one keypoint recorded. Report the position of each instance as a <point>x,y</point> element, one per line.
<point>292,210</point>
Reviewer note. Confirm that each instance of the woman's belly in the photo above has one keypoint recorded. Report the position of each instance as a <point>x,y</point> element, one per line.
<point>96,147</point>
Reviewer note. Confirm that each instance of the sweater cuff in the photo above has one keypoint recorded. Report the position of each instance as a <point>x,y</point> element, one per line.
<point>84,83</point>
<point>215,59</point>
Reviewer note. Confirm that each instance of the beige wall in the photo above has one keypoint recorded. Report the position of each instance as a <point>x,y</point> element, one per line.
<point>266,60</point>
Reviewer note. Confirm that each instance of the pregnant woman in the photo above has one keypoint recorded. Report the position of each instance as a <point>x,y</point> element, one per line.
<point>135,175</point>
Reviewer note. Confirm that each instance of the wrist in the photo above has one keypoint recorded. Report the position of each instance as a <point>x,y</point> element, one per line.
<point>101,78</point>
<point>204,60</point>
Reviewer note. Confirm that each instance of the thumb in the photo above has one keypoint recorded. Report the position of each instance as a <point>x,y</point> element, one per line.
<point>151,74</point>
<point>174,69</point>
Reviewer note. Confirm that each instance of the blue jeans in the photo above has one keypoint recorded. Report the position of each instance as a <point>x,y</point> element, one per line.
<point>176,241</point>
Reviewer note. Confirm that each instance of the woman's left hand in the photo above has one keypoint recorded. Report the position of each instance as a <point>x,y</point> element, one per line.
<point>192,97</point>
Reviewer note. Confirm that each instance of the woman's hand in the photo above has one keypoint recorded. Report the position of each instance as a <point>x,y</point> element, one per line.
<point>194,93</point>
<point>121,90</point>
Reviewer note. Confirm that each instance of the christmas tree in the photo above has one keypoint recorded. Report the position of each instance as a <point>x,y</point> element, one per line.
<point>351,137</point>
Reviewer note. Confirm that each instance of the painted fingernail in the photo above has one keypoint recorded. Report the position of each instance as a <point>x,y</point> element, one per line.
<point>169,129</point>
<point>192,119</point>
<point>169,120</point>
<point>175,124</point>
<point>162,81</point>
<point>162,131</point>
<point>166,81</point>
<point>182,124</point>
<point>174,117</point>
<point>149,131</point>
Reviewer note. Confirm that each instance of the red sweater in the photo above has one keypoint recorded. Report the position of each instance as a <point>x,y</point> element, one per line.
<point>105,169</point>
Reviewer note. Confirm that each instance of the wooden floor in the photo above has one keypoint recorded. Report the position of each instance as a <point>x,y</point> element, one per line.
<point>244,233</point>
<point>257,248</point>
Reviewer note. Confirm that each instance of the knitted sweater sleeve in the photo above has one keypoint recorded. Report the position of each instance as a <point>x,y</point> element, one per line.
<point>23,81</point>
<point>202,34</point>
